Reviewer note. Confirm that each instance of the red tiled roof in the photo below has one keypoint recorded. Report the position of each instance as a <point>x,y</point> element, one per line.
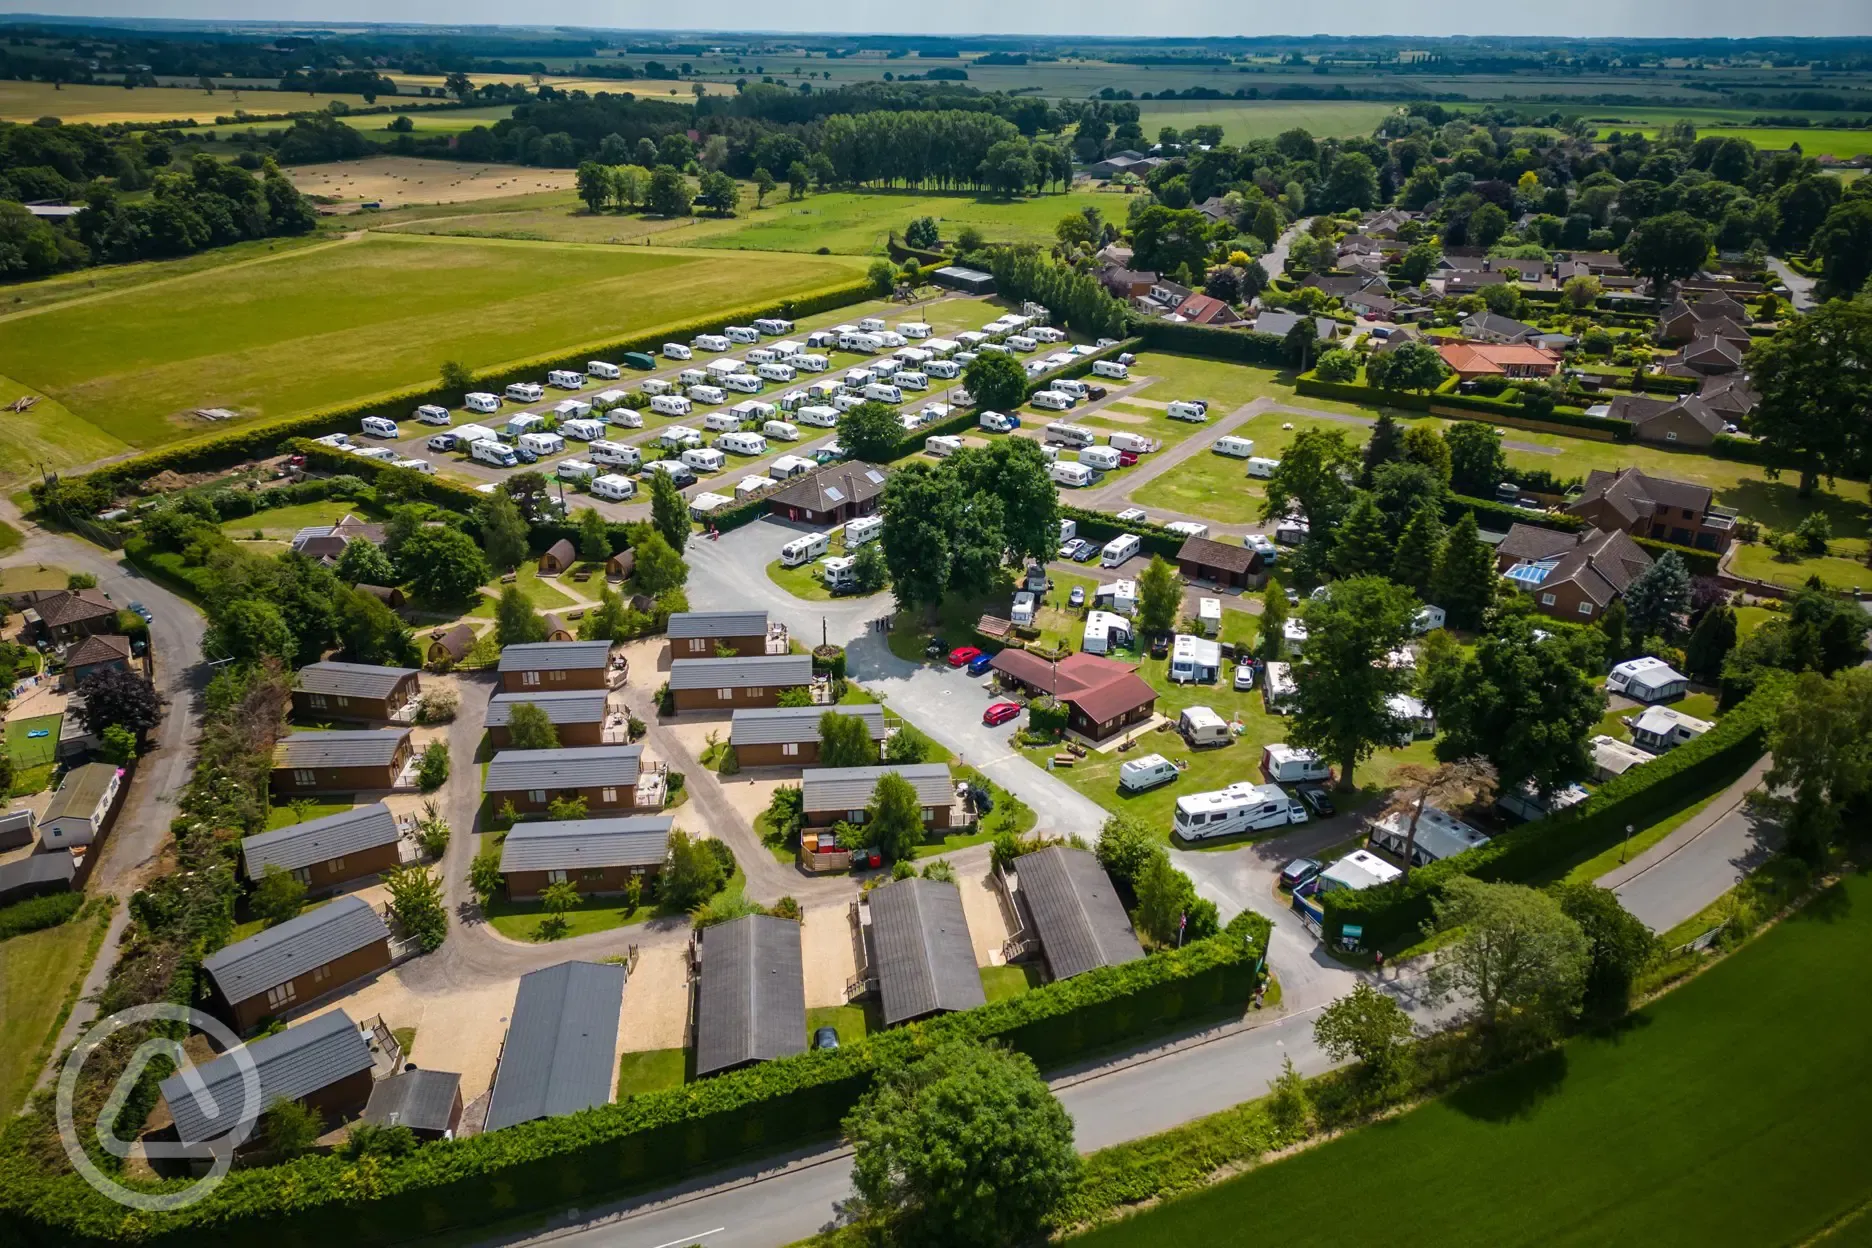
<point>72,606</point>
<point>1489,357</point>
<point>1101,688</point>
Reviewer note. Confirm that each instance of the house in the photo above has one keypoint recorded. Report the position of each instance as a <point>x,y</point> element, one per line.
<point>1215,208</point>
<point>968,281</point>
<point>1472,361</point>
<point>831,794</point>
<point>17,829</point>
<point>1205,310</point>
<point>724,684</point>
<point>917,948</point>
<point>428,1102</point>
<point>1647,679</point>
<point>1460,282</point>
<point>1123,162</point>
<point>1237,567</point>
<point>1127,283</point>
<point>1613,757</point>
<point>1074,911</point>
<point>326,542</point>
<point>78,811</point>
<point>600,856</point>
<point>1708,314</point>
<point>1280,324</point>
<point>1572,576</point>
<point>1104,696</point>
<point>577,715</point>
<point>1711,356</point>
<point>619,566</point>
<point>1729,395</point>
<point>707,634</point>
<point>298,961</point>
<point>604,775</point>
<point>323,1063</point>
<point>1684,421</point>
<point>555,665</point>
<point>448,648</point>
<point>1488,327</point>
<point>789,735</point>
<point>750,994</point>
<point>68,614</point>
<point>1370,303</point>
<point>1631,501</point>
<point>1661,728</point>
<point>100,652</point>
<point>560,556</point>
<point>1596,263</point>
<point>1525,272</point>
<point>560,1052</point>
<point>1169,295</point>
<point>345,761</point>
<point>1439,835</point>
<point>356,691</point>
<point>324,853</point>
<point>832,495</point>
<point>1344,287</point>
<point>389,595</point>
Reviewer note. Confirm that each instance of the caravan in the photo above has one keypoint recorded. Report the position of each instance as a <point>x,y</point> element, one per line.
<point>718,369</point>
<point>907,380</point>
<point>1074,436</point>
<point>818,416</point>
<point>1237,448</point>
<point>602,370</point>
<point>762,355</point>
<point>583,430</point>
<point>742,443</point>
<point>868,344</point>
<point>1073,476</point>
<point>671,405</point>
<point>430,414</point>
<point>711,395</point>
<point>680,437</point>
<point>1135,443</point>
<point>1278,689</point>
<point>617,489</point>
<point>940,446</point>
<point>571,409</point>
<point>615,455</point>
<point>863,529</point>
<point>575,470</point>
<point>1052,400</point>
<point>1285,764</point>
<point>781,431</point>
<point>708,342</point>
<point>525,392</point>
<point>776,372</point>
<point>722,422</point>
<point>1202,727</point>
<point>1102,458</point>
<point>378,426</point>
<point>751,410</point>
<point>1237,808</point>
<point>676,351</point>
<point>1180,410</point>
<point>481,401</point>
<point>810,363</point>
<point>995,422</point>
<point>1260,467</point>
<point>745,383</point>
<point>788,466</point>
<point>742,334</point>
<point>877,392</point>
<point>654,386</point>
<point>674,469</point>
<point>704,459</point>
<point>1119,549</point>
<point>947,370</point>
<point>820,339</point>
<point>803,550</point>
<point>872,324</point>
<point>847,402</point>
<point>913,329</point>
<point>565,379</point>
<point>773,326</point>
<point>1110,368</point>
<point>1071,386</point>
<point>542,444</point>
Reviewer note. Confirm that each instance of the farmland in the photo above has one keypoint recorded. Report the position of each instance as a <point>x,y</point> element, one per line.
<point>1244,120</point>
<point>1692,1125</point>
<point>856,224</point>
<point>99,103</point>
<point>399,180</point>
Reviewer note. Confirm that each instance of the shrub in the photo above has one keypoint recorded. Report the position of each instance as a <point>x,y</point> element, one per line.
<point>433,772</point>
<point>1048,715</point>
<point>438,706</point>
<point>38,913</point>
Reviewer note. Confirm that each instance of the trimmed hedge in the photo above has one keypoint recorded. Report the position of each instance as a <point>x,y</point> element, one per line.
<point>1504,515</point>
<point>1560,420</point>
<point>644,1140</point>
<point>1700,562</point>
<point>1242,346</point>
<point>1102,527</point>
<point>1537,849</point>
<point>37,913</point>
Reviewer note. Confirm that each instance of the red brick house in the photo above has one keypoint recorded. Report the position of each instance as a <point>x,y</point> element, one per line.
<point>1572,576</point>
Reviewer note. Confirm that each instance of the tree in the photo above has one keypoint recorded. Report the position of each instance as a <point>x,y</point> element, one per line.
<point>1519,958</point>
<point>869,571</point>
<point>1165,239</point>
<point>1343,687</point>
<point>1667,248</point>
<point>692,874</point>
<point>996,381</point>
<point>669,512</point>
<point>1417,262</point>
<point>1271,640</point>
<point>786,812</point>
<point>277,897</point>
<point>364,563</point>
<point>1487,224</point>
<point>659,568</point>
<point>528,728</point>
<point>871,432</point>
<point>1413,366</point>
<point>1449,787</point>
<point>594,185</point>
<point>921,233</point>
<point>1422,445</point>
<point>845,741</point>
<point>416,901</point>
<point>290,1128</point>
<point>668,193</point>
<point>1618,946</point>
<point>118,697</point>
<point>248,629</point>
<point>503,531</point>
<point>594,536</point>
<point>1014,470</point>
<point>1337,365</point>
<point>1369,1027</point>
<point>565,809</point>
<point>895,825</point>
<point>1528,706</point>
<point>515,621</point>
<point>1301,343</point>
<point>1476,460</point>
<point>433,772</point>
<point>1463,580</point>
<point>1581,291</point>
<point>764,185</point>
<point>1160,596</point>
<point>444,565</point>
<point>1658,596</point>
<point>1843,245</point>
<point>1710,643</point>
<point>1815,390</point>
<point>1312,475</point>
<point>80,580</point>
<point>798,179</point>
<point>1822,745</point>
<point>1418,546</point>
<point>919,506</point>
<point>719,192</point>
<point>1169,911</point>
<point>966,1147</point>
<point>118,745</point>
<point>1254,280</point>
<point>557,898</point>
<point>1360,544</point>
<point>1125,849</point>
<point>1385,445</point>
<point>882,277</point>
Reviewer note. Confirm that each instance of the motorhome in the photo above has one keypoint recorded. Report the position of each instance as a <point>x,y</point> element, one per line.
<point>773,326</point>
<point>810,363</point>
<point>704,459</point>
<point>1074,476</point>
<point>1225,812</point>
<point>481,401</point>
<point>862,529</point>
<point>711,395</point>
<point>1234,447</point>
<point>907,380</point>
<point>1286,764</point>
<point>774,371</point>
<point>583,430</point>
<point>680,437</point>
<point>614,487</point>
<point>742,443</point>
<point>676,351</point>
<point>565,379</point>
<point>997,423</point>
<point>913,329</point>
<point>818,416</point>
<point>575,470</point>
<point>525,392</point>
<point>1119,549</point>
<point>1059,433</point>
<point>722,422</point>
<point>1103,458</point>
<point>781,431</point>
<point>947,370</point>
<point>878,392</point>
<point>803,550</point>
<point>378,426</point>
<point>941,446</point>
<point>1179,410</point>
<point>1278,689</point>
<point>430,414</point>
<point>674,469</point>
<point>742,333</point>
<point>1136,775</point>
<point>1261,467</point>
<point>602,370</point>
<point>542,444</point>
<point>499,454</point>
<point>615,455</point>
<point>717,369</point>
<point>744,383</point>
<point>692,377</point>
<point>791,466</point>
<point>709,342</point>
<point>671,405</point>
<point>1110,368</point>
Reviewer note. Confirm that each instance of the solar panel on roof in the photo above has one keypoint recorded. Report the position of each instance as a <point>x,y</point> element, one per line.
<point>875,477</point>
<point>835,494</point>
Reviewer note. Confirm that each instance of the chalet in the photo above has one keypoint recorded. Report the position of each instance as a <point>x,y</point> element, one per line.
<point>1472,361</point>
<point>832,495</point>
<point>1655,507</point>
<point>446,649</point>
<point>298,961</point>
<point>917,950</point>
<point>427,1102</point>
<point>1573,576</point>
<point>324,1063</point>
<point>325,853</point>
<point>1201,559</point>
<point>1104,696</point>
<point>789,735</point>
<point>706,634</point>
<point>100,652</point>
<point>560,556</point>
<point>356,691</point>
<point>1074,911</point>
<point>750,994</point>
<point>345,761</point>
<point>605,776</point>
<point>600,856</point>
<point>577,715</point>
<point>79,810</point>
<point>1684,421</point>
<point>725,684</point>
<point>831,794</point>
<point>560,1052</point>
<point>555,665</point>
<point>68,614</point>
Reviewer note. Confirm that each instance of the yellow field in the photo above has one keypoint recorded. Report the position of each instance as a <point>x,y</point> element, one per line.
<point>98,104</point>
<point>396,181</point>
<point>616,86</point>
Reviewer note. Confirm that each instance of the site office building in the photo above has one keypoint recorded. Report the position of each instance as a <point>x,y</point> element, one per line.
<point>552,666</point>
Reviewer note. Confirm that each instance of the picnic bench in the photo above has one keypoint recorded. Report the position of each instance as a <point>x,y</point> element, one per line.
<point>1065,760</point>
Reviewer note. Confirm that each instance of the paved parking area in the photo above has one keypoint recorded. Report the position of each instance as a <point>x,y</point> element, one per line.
<point>656,1001</point>
<point>830,952</point>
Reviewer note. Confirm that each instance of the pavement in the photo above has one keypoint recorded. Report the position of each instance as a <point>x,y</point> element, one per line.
<point>1800,289</point>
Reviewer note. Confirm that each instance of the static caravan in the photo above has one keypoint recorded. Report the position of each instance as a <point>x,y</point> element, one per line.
<point>818,416</point>
<point>430,414</point>
<point>602,370</point>
<point>572,409</point>
<point>781,431</point>
<point>583,430</point>
<point>654,386</point>
<point>810,363</point>
<point>947,370</point>
<point>863,529</point>
<point>575,470</point>
<point>615,455</point>
<point>692,377</point>
<point>776,372</point>
<point>772,326</point>
<point>754,409</point>
<point>907,380</point>
<point>722,368</point>
<point>1225,812</point>
<point>745,383</point>
<point>704,459</point>
<point>913,329</point>
<point>1261,467</point>
<point>676,351</point>
<point>711,395</point>
<point>942,447</point>
<point>614,487</point>
<point>378,426</point>
<point>1101,457</point>
<point>803,550</point>
<point>680,437</point>
<point>997,423</point>
<point>1237,448</point>
<point>1284,764</point>
<point>1074,476</point>
<point>742,333</point>
<point>671,405</point>
<point>1137,775</point>
<point>498,454</point>
<point>565,379</point>
<point>1110,368</point>
<point>709,342</point>
<point>1060,433</point>
<point>542,443</point>
<point>788,466</point>
<point>722,422</point>
<point>481,401</point>
<point>525,391</point>
<point>1119,549</point>
<point>525,422</point>
<point>742,443</point>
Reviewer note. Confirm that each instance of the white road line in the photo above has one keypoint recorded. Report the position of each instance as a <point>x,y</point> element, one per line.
<point>690,1239</point>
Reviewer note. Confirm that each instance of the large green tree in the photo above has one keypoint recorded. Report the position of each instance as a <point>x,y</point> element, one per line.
<point>996,381</point>
<point>1360,544</point>
<point>659,568</point>
<point>1344,685</point>
<point>896,822</point>
<point>1160,596</point>
<point>528,728</point>
<point>503,531</point>
<point>1667,248</point>
<point>1014,471</point>
<point>515,620</point>
<point>364,563</point>
<point>1413,366</point>
<point>1822,744</point>
<point>1816,390</point>
<point>1528,706</point>
<point>1476,459</point>
<point>1368,1027</point>
<point>1463,580</point>
<point>1271,639</point>
<point>444,564</point>
<point>919,511</point>
<point>1658,596</point>
<point>669,511</point>
<point>1417,548</point>
<point>1518,960</point>
<point>1312,475</point>
<point>845,741</point>
<point>1618,945</point>
<point>872,432</point>
<point>1843,245</point>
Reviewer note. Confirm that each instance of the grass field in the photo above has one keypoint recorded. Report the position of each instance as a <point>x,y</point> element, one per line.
<point>47,434</point>
<point>1001,982</point>
<point>398,180</point>
<point>38,576</point>
<point>28,751</point>
<point>37,971</point>
<point>282,522</point>
<point>99,103</point>
<point>857,223</point>
<point>854,1022</point>
<point>1244,120</point>
<point>1724,1113</point>
<point>1218,486</point>
<point>543,594</point>
<point>133,362</point>
<point>284,816</point>
<point>1845,568</point>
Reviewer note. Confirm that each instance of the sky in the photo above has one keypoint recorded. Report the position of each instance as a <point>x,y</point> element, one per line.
<point>1658,18</point>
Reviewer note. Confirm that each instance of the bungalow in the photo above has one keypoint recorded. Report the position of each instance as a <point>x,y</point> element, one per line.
<point>832,495</point>
<point>1344,287</point>
<point>789,735</point>
<point>1596,263</point>
<point>345,761</point>
<point>1201,559</point>
<point>1678,512</point>
<point>1280,324</point>
<point>724,684</point>
<point>326,542</point>
<point>1711,356</point>
<point>1488,327</point>
<point>1685,421</point>
<point>1104,697</point>
<point>831,794</point>
<point>605,776</point>
<point>1460,282</point>
<point>295,962</point>
<point>324,853</point>
<point>1572,576</point>
<point>1074,912</point>
<point>68,614</point>
<point>706,634</point>
<point>100,652</point>
<point>750,1003</point>
<point>1661,728</point>
<point>36,875</point>
<point>1689,319</point>
<point>356,691</point>
<point>560,1051</point>
<point>1439,836</point>
<point>600,856</point>
<point>427,1102</point>
<point>324,1064</point>
<point>449,648</point>
<point>77,813</point>
<point>577,715</point>
<point>1472,361</point>
<point>555,665</point>
<point>1525,272</point>
<point>917,950</point>
<point>1730,396</point>
<point>558,557</point>
<point>1372,304</point>
<point>1647,679</point>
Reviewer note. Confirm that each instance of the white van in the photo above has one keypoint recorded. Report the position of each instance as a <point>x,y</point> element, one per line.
<point>542,443</point>
<point>742,333</point>
<point>489,451</point>
<point>863,529</point>
<point>781,431</point>
<point>941,446</point>
<point>1239,448</point>
<point>671,405</point>
<point>603,371</point>
<point>654,386</point>
<point>1110,368</point>
<point>583,430</point>
<point>947,370</point>
<point>1119,549</point>
<point>378,426</point>
<point>1259,467</point>
<point>617,489</point>
<point>1179,410</point>
<point>777,372</point>
<point>1060,433</point>
<point>704,459</point>
<point>722,422</point>
<point>717,369</point>
<point>575,470</point>
<point>997,423</point>
<point>525,392</point>
<point>810,363</point>
<point>1102,458</point>
<point>818,416</point>
<point>907,380</point>
<point>679,437</point>
<point>1225,812</point>
<point>742,443</point>
<point>565,379</point>
<point>1136,775</point>
<point>1069,385</point>
<point>1075,476</point>
<point>1285,764</point>
<point>709,342</point>
<point>615,455</point>
<point>803,550</point>
<point>711,395</point>
<point>676,351</point>
<point>481,401</point>
<point>773,326</point>
<point>745,383</point>
<point>430,414</point>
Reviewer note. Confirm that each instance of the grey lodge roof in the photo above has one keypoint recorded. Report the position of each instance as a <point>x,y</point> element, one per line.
<point>554,656</point>
<point>850,788</point>
<point>364,747</point>
<point>320,840</point>
<point>289,1065</point>
<point>925,960</point>
<point>561,1050</point>
<point>564,706</point>
<point>587,844</point>
<point>267,959</point>
<point>760,671</point>
<point>422,1100</point>
<point>352,680</point>
<point>685,624</point>
<point>1076,912</point>
<point>774,725</point>
<point>751,1005</point>
<point>586,767</point>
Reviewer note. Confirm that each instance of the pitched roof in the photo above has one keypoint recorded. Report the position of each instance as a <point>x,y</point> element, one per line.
<point>320,840</point>
<point>267,959</point>
<point>1636,496</point>
<point>1204,310</point>
<point>555,656</point>
<point>422,1100</point>
<point>1490,323</point>
<point>1213,554</point>
<point>925,959</point>
<point>351,680</point>
<point>1601,563</point>
<point>1709,347</point>
<point>580,844</point>
<point>1533,542</point>
<point>1494,357</point>
<point>289,1065</point>
<point>73,606</point>
<point>358,747</point>
<point>1101,688</point>
<point>458,641</point>
<point>777,725</point>
<point>98,648</point>
<point>564,706</point>
<point>560,1055</point>
<point>1731,394</point>
<point>583,767</point>
<point>754,671</point>
<point>35,869</point>
<point>751,1001</point>
<point>1076,912</point>
<point>834,486</point>
<point>562,550</point>
<point>686,624</point>
<point>80,792</point>
<point>850,788</point>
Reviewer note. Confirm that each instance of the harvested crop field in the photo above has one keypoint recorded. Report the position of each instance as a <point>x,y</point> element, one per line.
<point>398,180</point>
<point>98,103</point>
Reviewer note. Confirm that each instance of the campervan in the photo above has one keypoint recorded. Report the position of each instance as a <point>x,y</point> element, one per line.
<point>1110,368</point>
<point>781,431</point>
<point>818,416</point>
<point>1075,476</point>
<point>1238,448</point>
<point>565,379</point>
<point>744,383</point>
<point>615,455</point>
<point>709,342</point>
<point>878,392</point>
<point>488,451</point>
<point>997,423</point>
<point>654,386</point>
<point>1179,410</point>
<point>803,550</point>
<point>1060,433</point>
<point>722,422</point>
<point>671,405</point>
<point>583,430</point>
<point>525,391</point>
<point>575,470</point>
<point>1136,775</point>
<point>1237,808</point>
<point>1260,467</point>
<point>1102,458</point>
<point>1284,764</point>
<point>1119,549</point>
<point>742,333</point>
<point>810,363</point>
<point>602,370</point>
<point>676,351</point>
<point>378,427</point>
<point>913,329</point>
<point>679,437</point>
<point>430,414</point>
<point>711,395</point>
<point>947,370</point>
<point>481,401</point>
<point>742,443</point>
<point>863,529</point>
<point>542,443</point>
<point>717,369</point>
<point>1070,386</point>
<point>776,372</point>
<point>614,487</point>
<point>704,459</point>
<point>941,446</point>
<point>773,326</point>
<point>674,469</point>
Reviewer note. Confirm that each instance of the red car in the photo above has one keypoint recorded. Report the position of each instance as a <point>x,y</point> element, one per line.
<point>960,656</point>
<point>1000,713</point>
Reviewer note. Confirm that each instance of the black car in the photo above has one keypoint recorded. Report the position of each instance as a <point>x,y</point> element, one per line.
<point>825,1038</point>
<point>1316,797</point>
<point>936,646</point>
<point>1159,645</point>
<point>1087,552</point>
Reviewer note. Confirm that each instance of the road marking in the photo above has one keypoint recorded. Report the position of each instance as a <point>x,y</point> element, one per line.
<point>690,1239</point>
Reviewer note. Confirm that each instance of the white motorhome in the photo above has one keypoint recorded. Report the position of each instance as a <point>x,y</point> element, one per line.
<point>583,430</point>
<point>773,326</point>
<point>781,431</point>
<point>565,379</point>
<point>498,454</point>
<point>742,443</point>
<point>818,416</point>
<point>722,422</point>
<point>575,470</point>
<point>863,529</point>
<point>430,414</point>
<point>1059,433</point>
<point>679,437</point>
<point>671,405</point>
<point>1103,458</point>
<point>615,455</point>
<point>378,426</point>
<point>1193,412</point>
<point>745,383</point>
<point>711,395</point>
<point>1225,812</point>
<point>803,550</point>
<point>907,380</point>
<point>717,369</point>
<point>810,363</point>
<point>614,487</point>
<point>776,372</point>
<point>997,423</point>
<point>1119,549</point>
<point>542,444</point>
<point>602,370</point>
<point>1110,368</point>
<point>704,459</point>
<point>709,342</point>
<point>676,351</point>
<point>742,333</point>
<point>1136,775</point>
<point>525,392</point>
<point>481,401</point>
<point>1261,467</point>
<point>1286,764</point>
<point>1074,476</point>
<point>941,446</point>
<point>878,392</point>
<point>1237,448</point>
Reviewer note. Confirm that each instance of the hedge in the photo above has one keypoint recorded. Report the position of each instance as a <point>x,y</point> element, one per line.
<point>1460,406</point>
<point>1242,346</point>
<point>1504,514</point>
<point>1102,527</point>
<point>643,1141</point>
<point>1539,849</point>
<point>38,913</point>
<point>1700,562</point>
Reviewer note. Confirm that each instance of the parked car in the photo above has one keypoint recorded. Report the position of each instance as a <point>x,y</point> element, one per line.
<point>980,664</point>
<point>1087,553</point>
<point>962,656</point>
<point>137,608</point>
<point>1293,596</point>
<point>1296,813</point>
<point>1298,872</point>
<point>1000,713</point>
<point>1071,549</point>
<point>1159,645</point>
<point>825,1038</point>
<point>936,646</point>
<point>1244,676</point>
<point>1095,392</point>
<point>1077,597</point>
<point>1318,799</point>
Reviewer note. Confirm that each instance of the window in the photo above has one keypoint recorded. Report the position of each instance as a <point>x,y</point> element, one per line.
<point>857,816</point>
<point>335,864</point>
<point>281,995</point>
<point>529,678</point>
<point>698,645</point>
<point>1671,436</point>
<point>303,875</point>
<point>344,701</point>
<point>320,974</point>
<point>555,877</point>
<point>317,699</point>
<point>789,749</point>
<point>536,795</point>
<point>304,777</point>
<point>607,796</point>
<point>724,695</point>
<point>929,816</point>
<point>1585,608</point>
<point>558,677</point>
<point>1546,600</point>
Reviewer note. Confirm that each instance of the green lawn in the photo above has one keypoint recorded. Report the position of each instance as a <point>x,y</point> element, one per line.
<point>522,920</point>
<point>1000,982</point>
<point>39,576</point>
<point>1727,1112</point>
<point>651,1071</point>
<point>1748,619</point>
<point>1757,562</point>
<point>281,523</point>
<point>854,1022</point>
<point>857,222</point>
<point>544,594</point>
<point>1244,120</point>
<point>1695,705</point>
<point>284,816</point>
<point>1218,486</point>
<point>47,434</point>
<point>30,751</point>
<point>37,972</point>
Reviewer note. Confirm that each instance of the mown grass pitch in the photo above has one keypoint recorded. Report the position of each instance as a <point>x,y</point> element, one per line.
<point>1728,1112</point>
<point>340,322</point>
